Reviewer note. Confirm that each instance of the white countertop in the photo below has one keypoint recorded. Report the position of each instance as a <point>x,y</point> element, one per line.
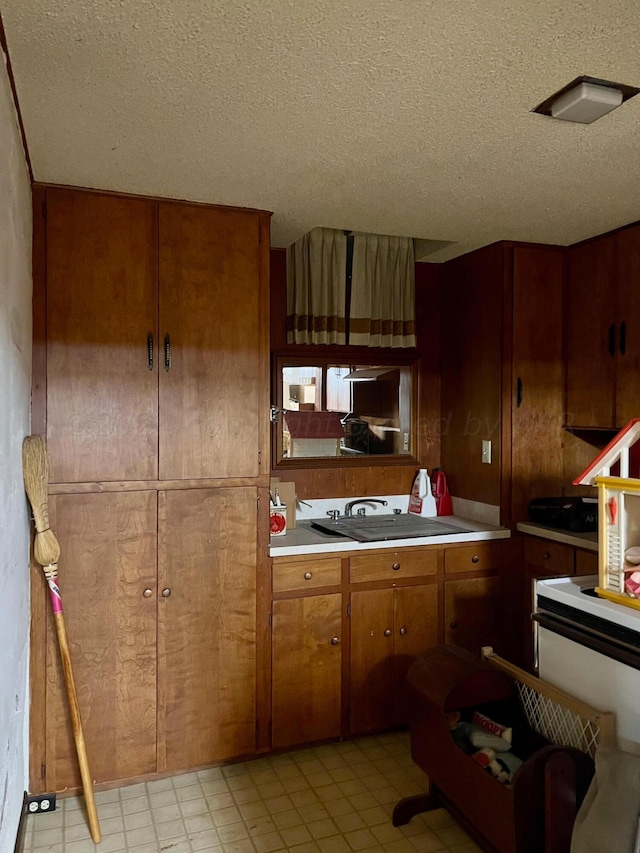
<point>587,541</point>
<point>304,540</point>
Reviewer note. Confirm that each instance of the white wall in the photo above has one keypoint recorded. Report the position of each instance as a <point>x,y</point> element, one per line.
<point>15,401</point>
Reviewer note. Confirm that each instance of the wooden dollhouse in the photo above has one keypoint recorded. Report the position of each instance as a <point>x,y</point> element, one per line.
<point>615,472</point>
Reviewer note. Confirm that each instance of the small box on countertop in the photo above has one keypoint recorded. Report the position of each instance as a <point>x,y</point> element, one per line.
<point>278,520</point>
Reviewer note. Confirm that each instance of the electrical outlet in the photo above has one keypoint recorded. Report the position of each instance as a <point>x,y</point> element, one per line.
<point>39,803</point>
<point>486,452</point>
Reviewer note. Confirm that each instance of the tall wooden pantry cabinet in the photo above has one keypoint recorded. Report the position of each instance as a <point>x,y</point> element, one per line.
<point>151,359</point>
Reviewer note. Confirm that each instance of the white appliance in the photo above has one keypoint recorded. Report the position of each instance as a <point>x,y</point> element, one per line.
<point>590,648</point>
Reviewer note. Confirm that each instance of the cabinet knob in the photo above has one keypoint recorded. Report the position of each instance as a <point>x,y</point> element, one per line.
<point>166,592</point>
<point>387,632</point>
<point>395,567</point>
<point>453,624</point>
<point>403,631</point>
<point>546,556</point>
<point>148,593</point>
<point>335,641</point>
<point>308,576</point>
<point>475,559</point>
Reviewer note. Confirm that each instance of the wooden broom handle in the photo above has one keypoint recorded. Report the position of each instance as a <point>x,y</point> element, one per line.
<point>74,709</point>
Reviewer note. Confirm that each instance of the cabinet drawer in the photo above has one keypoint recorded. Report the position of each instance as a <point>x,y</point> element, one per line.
<point>392,564</point>
<point>551,558</point>
<point>586,562</point>
<point>474,558</point>
<point>306,574</point>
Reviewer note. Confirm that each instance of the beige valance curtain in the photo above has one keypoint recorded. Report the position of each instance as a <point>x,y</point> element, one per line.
<point>316,289</point>
<point>382,292</point>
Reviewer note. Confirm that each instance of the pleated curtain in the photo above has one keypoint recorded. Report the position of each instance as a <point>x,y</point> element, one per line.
<point>382,292</point>
<point>316,289</point>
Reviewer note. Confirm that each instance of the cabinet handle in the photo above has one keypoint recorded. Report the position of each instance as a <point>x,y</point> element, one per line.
<point>147,593</point>
<point>546,556</point>
<point>166,592</point>
<point>167,352</point>
<point>612,340</point>
<point>150,350</point>
<point>308,576</point>
<point>518,393</point>
<point>475,559</point>
<point>453,625</point>
<point>623,338</point>
<point>335,641</point>
<point>403,631</point>
<point>387,632</point>
<point>395,567</point>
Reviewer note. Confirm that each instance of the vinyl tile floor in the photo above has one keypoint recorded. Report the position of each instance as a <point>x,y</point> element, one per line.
<point>335,798</point>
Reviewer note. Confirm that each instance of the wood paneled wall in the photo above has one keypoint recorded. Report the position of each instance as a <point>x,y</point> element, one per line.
<point>337,481</point>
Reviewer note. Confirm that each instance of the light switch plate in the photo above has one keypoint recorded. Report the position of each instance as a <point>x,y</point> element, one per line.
<point>486,452</point>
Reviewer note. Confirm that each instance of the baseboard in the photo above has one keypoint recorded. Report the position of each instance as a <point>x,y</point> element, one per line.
<point>22,826</point>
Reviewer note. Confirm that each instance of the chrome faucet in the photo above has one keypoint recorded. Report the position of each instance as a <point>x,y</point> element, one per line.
<point>348,507</point>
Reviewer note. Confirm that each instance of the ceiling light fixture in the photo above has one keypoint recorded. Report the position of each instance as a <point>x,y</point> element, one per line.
<point>586,99</point>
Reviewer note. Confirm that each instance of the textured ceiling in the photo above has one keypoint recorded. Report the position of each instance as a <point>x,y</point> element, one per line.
<point>393,116</point>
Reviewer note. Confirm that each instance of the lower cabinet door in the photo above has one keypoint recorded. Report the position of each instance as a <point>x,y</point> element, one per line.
<point>474,614</point>
<point>206,626</point>
<point>307,666</point>
<point>415,629</point>
<point>372,671</point>
<point>107,577</point>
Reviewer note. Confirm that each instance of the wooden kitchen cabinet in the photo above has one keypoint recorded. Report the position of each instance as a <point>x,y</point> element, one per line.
<point>102,305</point>
<point>157,342</point>
<point>307,669</point>
<point>108,580</point>
<point>206,625</point>
<point>389,628</point>
<point>602,323</point>
<point>474,613</point>
<point>164,655</point>
<point>151,379</point>
<point>307,639</point>
<point>502,378</point>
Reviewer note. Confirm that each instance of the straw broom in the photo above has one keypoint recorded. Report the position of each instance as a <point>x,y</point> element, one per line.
<point>46,550</point>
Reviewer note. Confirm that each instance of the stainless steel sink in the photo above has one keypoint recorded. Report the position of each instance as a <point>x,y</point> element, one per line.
<point>383,527</point>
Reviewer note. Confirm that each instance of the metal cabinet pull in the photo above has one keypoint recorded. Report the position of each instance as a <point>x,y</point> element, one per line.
<point>167,352</point>
<point>623,338</point>
<point>308,576</point>
<point>475,559</point>
<point>611,346</point>
<point>150,350</point>
<point>387,632</point>
<point>519,393</point>
<point>395,567</point>
<point>335,641</point>
<point>147,593</point>
<point>403,631</point>
<point>453,625</point>
<point>166,592</point>
<point>546,556</point>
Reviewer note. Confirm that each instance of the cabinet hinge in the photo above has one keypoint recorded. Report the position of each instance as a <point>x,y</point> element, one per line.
<point>258,503</point>
<point>349,610</point>
<point>270,731</point>
<point>43,771</point>
<point>259,457</point>
<point>44,208</point>
<point>257,731</point>
<point>270,619</point>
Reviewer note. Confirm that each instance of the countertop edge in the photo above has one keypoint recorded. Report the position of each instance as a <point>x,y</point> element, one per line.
<point>290,550</point>
<point>566,537</point>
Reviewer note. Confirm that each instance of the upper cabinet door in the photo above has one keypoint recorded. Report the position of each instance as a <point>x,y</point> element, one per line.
<point>102,403</point>
<point>628,315</point>
<point>591,334</point>
<point>211,331</point>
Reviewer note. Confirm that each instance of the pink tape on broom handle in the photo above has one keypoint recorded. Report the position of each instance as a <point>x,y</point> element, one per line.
<point>54,595</point>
